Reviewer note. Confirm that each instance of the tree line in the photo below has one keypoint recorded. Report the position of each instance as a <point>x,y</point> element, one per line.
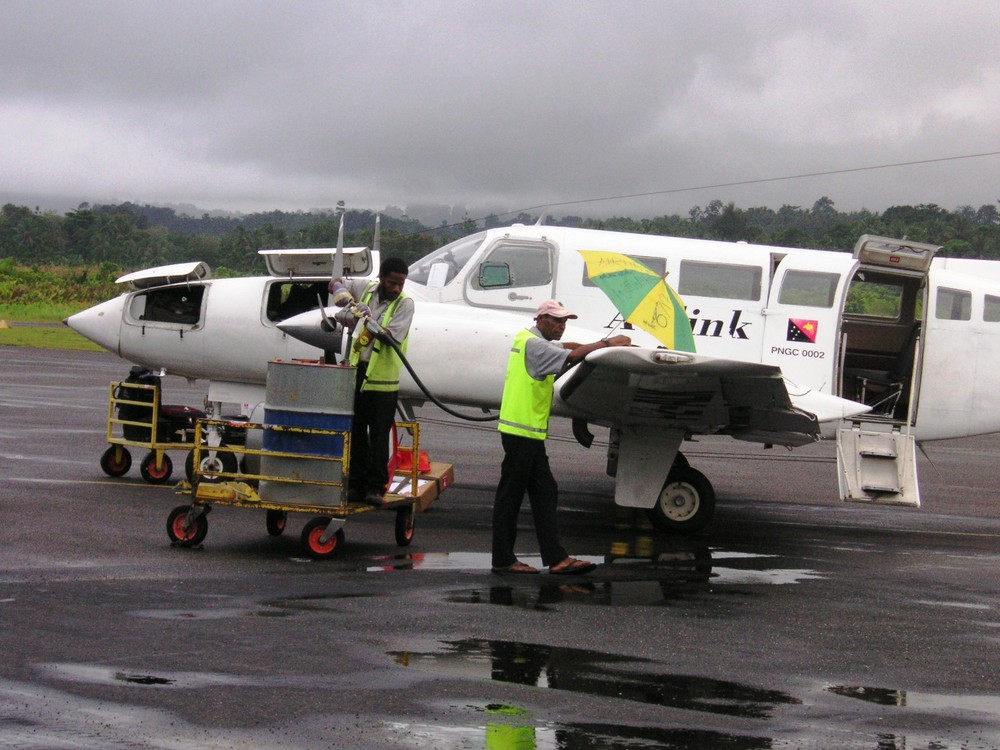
<point>129,236</point>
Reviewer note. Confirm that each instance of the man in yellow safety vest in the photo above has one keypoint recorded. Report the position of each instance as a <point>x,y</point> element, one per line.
<point>377,385</point>
<point>536,358</point>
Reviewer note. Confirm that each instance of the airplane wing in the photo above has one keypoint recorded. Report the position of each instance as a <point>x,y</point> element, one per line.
<point>697,394</point>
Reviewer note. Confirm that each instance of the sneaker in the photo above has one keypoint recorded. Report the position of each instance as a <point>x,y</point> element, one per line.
<point>374,498</point>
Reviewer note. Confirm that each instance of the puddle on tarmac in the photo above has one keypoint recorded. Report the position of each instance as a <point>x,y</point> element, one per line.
<point>989,704</point>
<point>593,673</point>
<point>93,674</point>
<point>214,613</point>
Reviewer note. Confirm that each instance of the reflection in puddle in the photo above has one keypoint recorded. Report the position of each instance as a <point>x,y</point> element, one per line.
<point>497,735</point>
<point>922,701</point>
<point>701,565</point>
<point>594,673</point>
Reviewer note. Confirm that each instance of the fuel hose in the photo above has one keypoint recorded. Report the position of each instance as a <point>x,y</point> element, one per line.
<point>387,338</point>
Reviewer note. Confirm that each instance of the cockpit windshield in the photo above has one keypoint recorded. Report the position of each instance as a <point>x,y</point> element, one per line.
<point>441,266</point>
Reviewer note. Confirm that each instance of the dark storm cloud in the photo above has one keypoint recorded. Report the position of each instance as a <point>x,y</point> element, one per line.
<point>502,105</point>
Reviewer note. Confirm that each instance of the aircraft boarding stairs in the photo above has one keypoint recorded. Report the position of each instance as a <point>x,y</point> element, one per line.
<point>876,451</point>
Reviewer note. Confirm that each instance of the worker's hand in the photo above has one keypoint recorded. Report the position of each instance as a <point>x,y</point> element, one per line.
<point>339,293</point>
<point>619,341</point>
<point>362,310</point>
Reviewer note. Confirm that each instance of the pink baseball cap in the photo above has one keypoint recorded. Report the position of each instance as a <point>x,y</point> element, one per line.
<point>555,309</point>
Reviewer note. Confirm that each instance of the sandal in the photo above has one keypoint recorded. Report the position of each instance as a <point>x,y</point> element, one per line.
<point>516,567</point>
<point>571,566</point>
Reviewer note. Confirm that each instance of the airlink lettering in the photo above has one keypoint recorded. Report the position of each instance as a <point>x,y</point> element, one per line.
<point>705,327</point>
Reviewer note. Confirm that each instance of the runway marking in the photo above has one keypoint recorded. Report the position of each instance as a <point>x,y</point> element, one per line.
<point>103,482</point>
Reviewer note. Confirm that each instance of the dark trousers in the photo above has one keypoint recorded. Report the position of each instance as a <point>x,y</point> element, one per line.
<point>525,469</point>
<point>371,432</point>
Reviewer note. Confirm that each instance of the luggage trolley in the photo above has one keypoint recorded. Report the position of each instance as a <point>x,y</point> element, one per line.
<point>136,412</point>
<point>297,459</point>
<point>309,482</point>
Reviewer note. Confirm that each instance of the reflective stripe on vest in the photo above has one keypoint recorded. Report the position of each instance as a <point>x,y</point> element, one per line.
<point>527,402</point>
<point>383,371</point>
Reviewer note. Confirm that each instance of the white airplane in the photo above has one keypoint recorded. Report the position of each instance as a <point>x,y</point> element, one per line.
<point>880,348</point>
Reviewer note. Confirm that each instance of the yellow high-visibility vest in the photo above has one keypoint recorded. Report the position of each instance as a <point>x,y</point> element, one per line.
<point>527,402</point>
<point>383,367</point>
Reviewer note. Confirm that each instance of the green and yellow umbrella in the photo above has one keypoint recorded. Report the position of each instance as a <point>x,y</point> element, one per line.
<point>642,296</point>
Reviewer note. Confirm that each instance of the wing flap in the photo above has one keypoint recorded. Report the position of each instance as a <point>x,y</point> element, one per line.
<point>694,393</point>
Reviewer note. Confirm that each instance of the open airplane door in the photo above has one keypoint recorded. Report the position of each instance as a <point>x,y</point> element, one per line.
<point>876,451</point>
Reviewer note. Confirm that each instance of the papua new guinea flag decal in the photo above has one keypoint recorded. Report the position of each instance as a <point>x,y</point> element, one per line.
<point>802,330</point>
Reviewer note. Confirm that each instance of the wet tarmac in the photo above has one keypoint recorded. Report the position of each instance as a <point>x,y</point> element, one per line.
<point>793,622</point>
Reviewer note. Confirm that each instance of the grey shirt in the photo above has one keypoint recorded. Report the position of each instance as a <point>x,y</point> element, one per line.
<point>542,357</point>
<point>399,326</point>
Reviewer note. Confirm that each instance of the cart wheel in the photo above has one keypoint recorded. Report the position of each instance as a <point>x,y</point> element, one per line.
<point>276,520</point>
<point>185,534</point>
<point>116,461</point>
<point>404,526</point>
<point>223,461</point>
<point>313,531</point>
<point>153,475</point>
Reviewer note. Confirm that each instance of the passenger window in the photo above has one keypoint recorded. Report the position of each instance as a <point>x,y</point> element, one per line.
<point>874,299</point>
<point>991,310</point>
<point>656,265</point>
<point>726,280</point>
<point>809,288</point>
<point>169,305</point>
<point>953,304</point>
<point>530,265</point>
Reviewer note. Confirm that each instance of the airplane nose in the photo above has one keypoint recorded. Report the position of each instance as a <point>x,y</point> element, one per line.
<point>100,323</point>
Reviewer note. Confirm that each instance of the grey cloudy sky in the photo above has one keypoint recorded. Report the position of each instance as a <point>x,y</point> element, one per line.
<point>505,104</point>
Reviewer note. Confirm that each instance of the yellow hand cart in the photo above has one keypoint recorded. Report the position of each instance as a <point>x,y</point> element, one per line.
<point>282,482</point>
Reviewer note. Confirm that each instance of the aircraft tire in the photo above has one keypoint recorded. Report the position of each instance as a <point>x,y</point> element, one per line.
<point>224,461</point>
<point>686,503</point>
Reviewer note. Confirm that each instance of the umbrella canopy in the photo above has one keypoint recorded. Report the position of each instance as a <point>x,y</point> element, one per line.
<point>642,296</point>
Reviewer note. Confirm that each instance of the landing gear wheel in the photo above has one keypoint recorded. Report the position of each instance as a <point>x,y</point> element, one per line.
<point>313,532</point>
<point>222,461</point>
<point>185,534</point>
<point>151,473</point>
<point>116,461</point>
<point>686,502</point>
<point>276,522</point>
<point>404,525</point>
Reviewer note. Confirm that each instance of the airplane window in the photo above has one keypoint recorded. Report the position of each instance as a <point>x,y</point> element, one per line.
<point>991,312</point>
<point>530,265</point>
<point>656,265</point>
<point>953,304</point>
<point>287,299</point>
<point>810,288</point>
<point>728,280</point>
<point>452,256</point>
<point>874,299</point>
<point>176,304</point>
